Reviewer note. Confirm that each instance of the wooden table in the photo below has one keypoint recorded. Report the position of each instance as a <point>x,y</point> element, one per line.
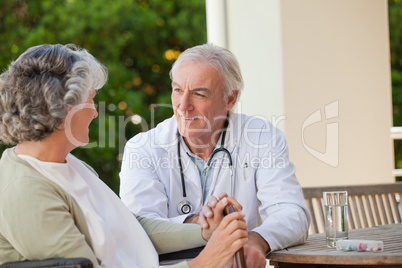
<point>315,253</point>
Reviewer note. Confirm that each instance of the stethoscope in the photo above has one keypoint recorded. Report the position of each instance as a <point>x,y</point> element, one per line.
<point>184,207</point>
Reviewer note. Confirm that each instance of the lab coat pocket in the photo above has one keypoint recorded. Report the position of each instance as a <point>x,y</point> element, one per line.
<point>247,173</point>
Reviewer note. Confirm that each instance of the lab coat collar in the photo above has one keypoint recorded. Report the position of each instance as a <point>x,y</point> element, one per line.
<point>166,134</point>
<point>233,131</point>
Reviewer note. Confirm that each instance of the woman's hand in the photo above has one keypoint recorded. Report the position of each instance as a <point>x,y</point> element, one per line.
<point>210,217</point>
<point>230,235</point>
<point>212,213</point>
<point>215,215</point>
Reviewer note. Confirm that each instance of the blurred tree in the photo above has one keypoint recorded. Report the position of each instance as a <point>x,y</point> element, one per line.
<point>395,29</point>
<point>138,40</point>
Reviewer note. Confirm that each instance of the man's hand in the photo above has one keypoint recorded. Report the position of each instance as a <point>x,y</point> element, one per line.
<point>253,253</point>
<point>254,257</point>
<point>256,241</point>
<point>192,219</point>
<point>255,250</point>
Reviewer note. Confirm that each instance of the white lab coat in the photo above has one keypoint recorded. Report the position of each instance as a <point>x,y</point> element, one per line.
<point>264,179</point>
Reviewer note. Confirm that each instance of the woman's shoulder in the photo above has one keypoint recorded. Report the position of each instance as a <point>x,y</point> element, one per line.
<point>19,179</point>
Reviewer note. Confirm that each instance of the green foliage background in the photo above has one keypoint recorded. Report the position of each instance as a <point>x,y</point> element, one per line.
<point>395,26</point>
<point>138,40</point>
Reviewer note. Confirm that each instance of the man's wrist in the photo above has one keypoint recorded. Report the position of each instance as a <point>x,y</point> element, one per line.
<point>257,241</point>
<point>193,218</point>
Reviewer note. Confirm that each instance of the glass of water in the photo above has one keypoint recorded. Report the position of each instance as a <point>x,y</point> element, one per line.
<point>336,216</point>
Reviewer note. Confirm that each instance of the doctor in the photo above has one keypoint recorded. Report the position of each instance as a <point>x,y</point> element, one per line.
<point>205,149</point>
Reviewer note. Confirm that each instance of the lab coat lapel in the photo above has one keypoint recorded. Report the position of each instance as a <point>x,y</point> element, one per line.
<point>221,177</point>
<point>166,136</point>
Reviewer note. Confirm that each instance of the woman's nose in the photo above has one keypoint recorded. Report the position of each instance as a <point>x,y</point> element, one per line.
<point>95,113</point>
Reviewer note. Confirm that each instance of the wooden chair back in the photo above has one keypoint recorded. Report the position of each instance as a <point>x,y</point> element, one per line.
<point>368,205</point>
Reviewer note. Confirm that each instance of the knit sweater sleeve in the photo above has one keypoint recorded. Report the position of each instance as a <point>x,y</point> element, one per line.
<point>170,237</point>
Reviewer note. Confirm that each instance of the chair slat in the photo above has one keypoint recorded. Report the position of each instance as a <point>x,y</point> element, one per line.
<point>369,205</point>
<point>313,226</point>
<point>381,209</point>
<point>319,215</point>
<point>374,208</point>
<point>354,208</point>
<point>394,208</point>
<point>362,214</point>
<point>398,198</point>
<point>351,214</point>
<point>321,212</point>
<point>367,211</point>
<point>388,212</point>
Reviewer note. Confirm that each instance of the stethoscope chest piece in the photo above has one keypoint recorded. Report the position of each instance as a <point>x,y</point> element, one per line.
<point>184,207</point>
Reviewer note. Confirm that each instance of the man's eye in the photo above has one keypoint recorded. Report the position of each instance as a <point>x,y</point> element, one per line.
<point>200,95</point>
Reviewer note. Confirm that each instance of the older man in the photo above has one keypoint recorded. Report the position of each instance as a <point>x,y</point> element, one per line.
<point>205,149</point>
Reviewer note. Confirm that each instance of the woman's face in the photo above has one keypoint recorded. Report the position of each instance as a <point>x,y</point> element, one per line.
<point>78,120</point>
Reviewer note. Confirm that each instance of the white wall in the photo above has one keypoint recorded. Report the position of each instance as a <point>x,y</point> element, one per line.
<point>255,38</point>
<point>300,57</point>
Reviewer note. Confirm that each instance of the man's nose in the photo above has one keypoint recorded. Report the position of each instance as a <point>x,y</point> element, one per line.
<point>185,102</point>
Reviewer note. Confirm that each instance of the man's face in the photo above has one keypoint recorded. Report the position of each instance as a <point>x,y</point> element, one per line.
<point>198,102</point>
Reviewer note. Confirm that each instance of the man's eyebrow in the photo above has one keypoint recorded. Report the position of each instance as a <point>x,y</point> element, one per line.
<point>175,84</point>
<point>202,89</point>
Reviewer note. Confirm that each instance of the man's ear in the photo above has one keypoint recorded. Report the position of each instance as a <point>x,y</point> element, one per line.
<point>232,99</point>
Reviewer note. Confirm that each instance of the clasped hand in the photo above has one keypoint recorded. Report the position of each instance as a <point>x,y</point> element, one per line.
<point>226,235</point>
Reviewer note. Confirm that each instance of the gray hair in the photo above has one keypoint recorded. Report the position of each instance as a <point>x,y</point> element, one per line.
<point>221,59</point>
<point>39,87</point>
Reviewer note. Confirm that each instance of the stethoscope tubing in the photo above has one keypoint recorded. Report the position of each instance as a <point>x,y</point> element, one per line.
<point>187,204</point>
<point>183,185</point>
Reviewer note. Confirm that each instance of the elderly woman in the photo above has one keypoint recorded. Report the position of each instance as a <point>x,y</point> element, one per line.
<point>54,205</point>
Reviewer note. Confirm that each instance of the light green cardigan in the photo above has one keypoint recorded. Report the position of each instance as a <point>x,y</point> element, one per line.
<point>39,220</point>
